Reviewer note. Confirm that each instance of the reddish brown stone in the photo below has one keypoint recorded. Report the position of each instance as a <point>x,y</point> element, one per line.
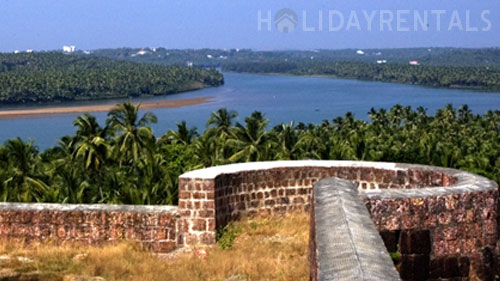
<point>469,216</point>
<point>23,217</point>
<point>488,213</point>
<point>61,232</point>
<point>466,200</point>
<point>440,248</point>
<point>208,238</point>
<point>116,232</point>
<point>418,204</point>
<point>390,223</point>
<point>429,220</point>
<point>450,233</point>
<point>445,218</point>
<point>469,245</point>
<point>410,221</point>
<point>454,246</point>
<point>490,227</point>
<point>164,246</point>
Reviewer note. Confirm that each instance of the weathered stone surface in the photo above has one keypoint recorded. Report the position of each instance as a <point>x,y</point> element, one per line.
<point>348,246</point>
<point>91,224</point>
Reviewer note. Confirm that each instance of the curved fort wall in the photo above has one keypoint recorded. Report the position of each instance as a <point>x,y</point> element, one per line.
<point>442,221</point>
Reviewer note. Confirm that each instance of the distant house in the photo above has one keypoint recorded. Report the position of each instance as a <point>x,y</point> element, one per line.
<point>69,49</point>
<point>360,52</point>
<point>189,64</point>
<point>286,23</point>
<point>29,51</point>
<point>209,56</point>
<point>141,52</point>
<point>16,52</point>
<point>381,61</point>
<point>414,62</point>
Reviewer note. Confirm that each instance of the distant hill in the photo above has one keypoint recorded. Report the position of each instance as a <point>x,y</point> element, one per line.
<point>51,76</point>
<point>489,57</point>
<point>437,67</point>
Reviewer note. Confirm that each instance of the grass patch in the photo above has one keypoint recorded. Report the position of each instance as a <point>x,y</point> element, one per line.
<point>226,236</point>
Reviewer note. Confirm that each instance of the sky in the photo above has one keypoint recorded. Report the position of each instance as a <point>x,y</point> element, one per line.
<point>94,24</point>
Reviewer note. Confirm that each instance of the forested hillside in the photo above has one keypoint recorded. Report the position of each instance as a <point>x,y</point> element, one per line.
<point>47,77</point>
<point>480,78</point>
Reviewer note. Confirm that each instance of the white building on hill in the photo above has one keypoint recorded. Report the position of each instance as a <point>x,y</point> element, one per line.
<point>69,49</point>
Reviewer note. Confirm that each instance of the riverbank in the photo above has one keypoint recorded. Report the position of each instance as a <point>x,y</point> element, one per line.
<point>47,111</point>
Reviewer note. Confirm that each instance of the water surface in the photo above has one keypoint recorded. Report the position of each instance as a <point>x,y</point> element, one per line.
<point>281,98</point>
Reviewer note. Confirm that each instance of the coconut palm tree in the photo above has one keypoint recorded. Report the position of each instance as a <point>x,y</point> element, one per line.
<point>251,142</point>
<point>132,136</point>
<point>287,142</point>
<point>25,179</point>
<point>183,135</point>
<point>222,120</point>
<point>92,149</point>
<point>219,127</point>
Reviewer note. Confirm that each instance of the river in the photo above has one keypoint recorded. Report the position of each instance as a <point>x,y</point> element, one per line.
<point>281,98</point>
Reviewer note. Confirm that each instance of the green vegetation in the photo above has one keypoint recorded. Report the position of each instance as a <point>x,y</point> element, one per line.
<point>47,77</point>
<point>123,162</point>
<point>480,78</point>
<point>440,67</point>
<point>485,57</point>
<point>226,236</point>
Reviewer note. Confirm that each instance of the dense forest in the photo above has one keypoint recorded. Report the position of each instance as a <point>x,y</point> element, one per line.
<point>479,78</point>
<point>122,161</point>
<point>47,77</point>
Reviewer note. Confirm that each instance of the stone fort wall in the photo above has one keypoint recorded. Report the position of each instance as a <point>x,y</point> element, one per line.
<point>155,227</point>
<point>442,221</point>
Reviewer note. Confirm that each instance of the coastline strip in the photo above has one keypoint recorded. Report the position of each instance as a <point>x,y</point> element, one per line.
<point>37,112</point>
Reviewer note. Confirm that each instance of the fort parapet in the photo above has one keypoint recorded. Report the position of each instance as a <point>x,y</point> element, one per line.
<point>443,222</point>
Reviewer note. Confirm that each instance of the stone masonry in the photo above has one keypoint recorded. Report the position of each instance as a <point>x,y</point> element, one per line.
<point>153,226</point>
<point>442,221</point>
